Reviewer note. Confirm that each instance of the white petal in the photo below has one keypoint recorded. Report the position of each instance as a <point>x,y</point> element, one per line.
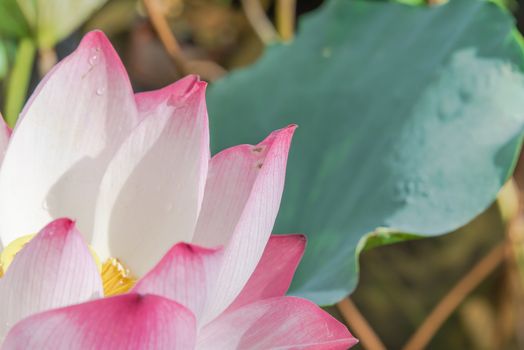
<point>67,133</point>
<point>241,202</point>
<point>152,191</point>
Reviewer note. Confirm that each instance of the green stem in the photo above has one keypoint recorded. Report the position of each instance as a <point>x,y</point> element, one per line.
<point>19,80</point>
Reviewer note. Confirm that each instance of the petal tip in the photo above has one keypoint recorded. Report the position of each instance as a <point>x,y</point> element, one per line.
<point>96,44</point>
<point>286,132</point>
<point>136,300</point>
<point>302,237</point>
<point>61,226</point>
<point>189,87</point>
<point>191,249</point>
<point>95,37</point>
<point>289,130</point>
<point>291,127</point>
<point>196,86</point>
<point>297,238</point>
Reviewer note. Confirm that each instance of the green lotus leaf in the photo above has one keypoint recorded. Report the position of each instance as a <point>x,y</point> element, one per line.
<point>410,119</point>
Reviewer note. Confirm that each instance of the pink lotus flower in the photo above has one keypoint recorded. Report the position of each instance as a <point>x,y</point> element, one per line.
<point>134,171</point>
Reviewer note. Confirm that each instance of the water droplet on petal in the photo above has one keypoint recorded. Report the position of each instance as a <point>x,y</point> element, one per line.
<point>94,59</point>
<point>100,91</point>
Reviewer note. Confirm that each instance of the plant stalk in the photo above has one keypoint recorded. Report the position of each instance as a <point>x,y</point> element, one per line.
<point>19,79</point>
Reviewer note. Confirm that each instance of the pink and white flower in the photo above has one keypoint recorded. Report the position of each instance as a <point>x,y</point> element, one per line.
<point>134,171</point>
<point>167,307</point>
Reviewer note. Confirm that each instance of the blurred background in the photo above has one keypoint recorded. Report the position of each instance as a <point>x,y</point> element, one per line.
<point>160,41</point>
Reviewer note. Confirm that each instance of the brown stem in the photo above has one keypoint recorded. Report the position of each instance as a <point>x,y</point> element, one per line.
<point>163,30</point>
<point>46,60</point>
<point>262,26</point>
<point>437,317</point>
<point>511,205</point>
<point>285,18</point>
<point>359,325</point>
<point>207,69</point>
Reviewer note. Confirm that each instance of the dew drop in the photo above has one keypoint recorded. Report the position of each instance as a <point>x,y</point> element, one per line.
<point>100,91</point>
<point>95,57</point>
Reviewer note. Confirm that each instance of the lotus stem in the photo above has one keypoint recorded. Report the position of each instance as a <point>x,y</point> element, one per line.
<point>360,326</point>
<point>167,38</point>
<point>261,24</point>
<point>47,58</point>
<point>423,335</point>
<point>285,18</point>
<point>209,70</point>
<point>19,80</point>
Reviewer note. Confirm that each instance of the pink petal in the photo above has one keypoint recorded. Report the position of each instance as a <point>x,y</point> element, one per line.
<point>152,191</point>
<point>148,102</point>
<point>283,323</point>
<point>185,274</point>
<point>5,135</point>
<point>275,270</point>
<point>54,269</point>
<point>241,201</point>
<point>129,321</point>
<point>67,133</point>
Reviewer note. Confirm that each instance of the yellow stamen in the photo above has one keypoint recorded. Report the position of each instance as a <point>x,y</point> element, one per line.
<point>116,278</point>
